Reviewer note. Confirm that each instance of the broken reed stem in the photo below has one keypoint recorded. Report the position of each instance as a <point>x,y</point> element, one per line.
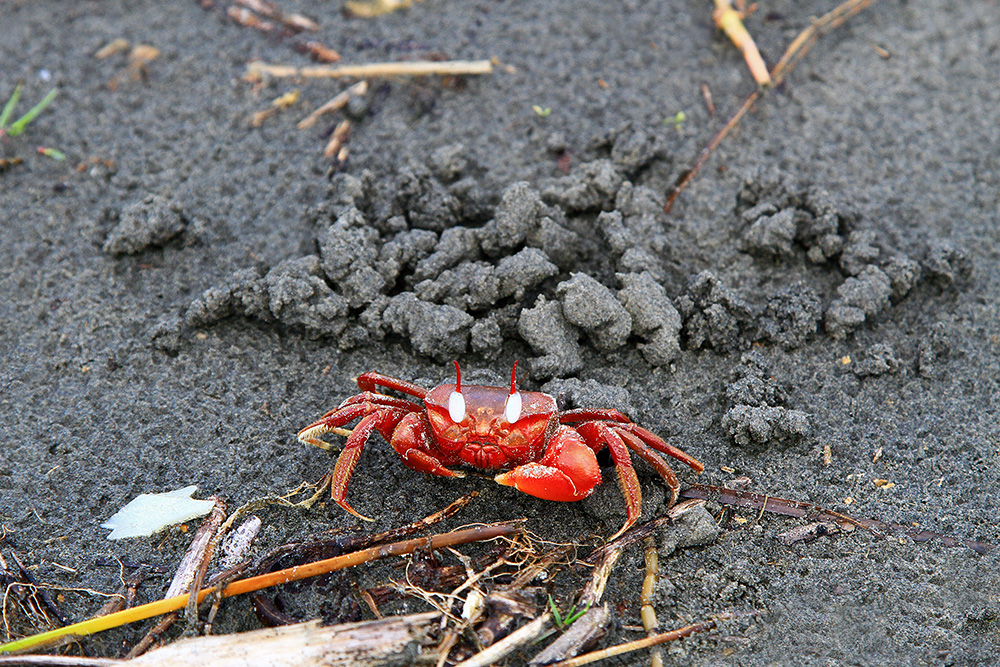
<point>512,642</point>
<point>647,611</point>
<point>793,54</point>
<point>257,583</point>
<point>640,644</point>
<point>58,661</point>
<point>730,22</point>
<point>372,70</point>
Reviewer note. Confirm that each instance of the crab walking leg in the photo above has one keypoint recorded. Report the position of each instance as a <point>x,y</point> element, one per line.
<point>656,442</point>
<point>348,411</point>
<point>371,382</point>
<point>568,471</point>
<point>374,398</point>
<point>383,420</point>
<point>655,460</point>
<point>597,434</point>
<point>589,414</point>
<point>624,423</point>
<point>329,422</point>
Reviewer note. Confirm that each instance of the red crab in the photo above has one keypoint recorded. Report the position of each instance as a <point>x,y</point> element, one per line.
<point>546,453</point>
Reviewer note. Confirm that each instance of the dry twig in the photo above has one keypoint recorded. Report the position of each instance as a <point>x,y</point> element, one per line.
<point>373,70</point>
<point>587,629</point>
<point>373,8</point>
<point>799,509</point>
<point>730,21</point>
<point>336,103</point>
<point>511,643</point>
<point>190,574</point>
<point>640,644</point>
<point>796,51</point>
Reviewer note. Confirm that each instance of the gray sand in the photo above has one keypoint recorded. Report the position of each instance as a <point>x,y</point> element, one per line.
<point>175,309</point>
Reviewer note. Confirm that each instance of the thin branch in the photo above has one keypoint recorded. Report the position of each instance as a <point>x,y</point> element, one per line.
<point>640,644</point>
<point>799,509</point>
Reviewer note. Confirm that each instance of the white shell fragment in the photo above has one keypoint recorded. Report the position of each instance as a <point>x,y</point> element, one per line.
<point>151,512</point>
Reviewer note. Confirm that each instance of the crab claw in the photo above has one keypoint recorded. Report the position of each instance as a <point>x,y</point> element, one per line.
<point>567,472</point>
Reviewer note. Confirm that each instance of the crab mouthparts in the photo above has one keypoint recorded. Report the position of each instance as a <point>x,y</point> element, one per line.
<point>484,455</point>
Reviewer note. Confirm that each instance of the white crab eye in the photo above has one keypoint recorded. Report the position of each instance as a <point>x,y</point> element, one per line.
<point>456,406</point>
<point>512,408</point>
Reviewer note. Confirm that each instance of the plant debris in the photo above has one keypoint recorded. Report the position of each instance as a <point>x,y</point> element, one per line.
<point>795,508</point>
<point>152,512</point>
<point>259,69</point>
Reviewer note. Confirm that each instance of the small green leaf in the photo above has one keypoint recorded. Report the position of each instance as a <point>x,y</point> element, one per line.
<point>541,112</point>
<point>555,613</point>
<point>575,613</point>
<point>22,122</point>
<point>678,119</point>
<point>8,108</point>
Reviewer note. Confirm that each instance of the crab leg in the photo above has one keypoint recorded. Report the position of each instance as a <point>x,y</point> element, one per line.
<point>568,471</point>
<point>412,441</point>
<point>650,438</point>
<point>370,382</point>
<point>348,411</point>
<point>329,423</point>
<point>655,460</point>
<point>378,399</point>
<point>597,434</point>
<point>385,422</point>
<point>587,414</point>
<point>656,442</point>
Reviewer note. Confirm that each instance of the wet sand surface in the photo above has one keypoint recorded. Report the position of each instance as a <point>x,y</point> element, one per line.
<point>818,312</point>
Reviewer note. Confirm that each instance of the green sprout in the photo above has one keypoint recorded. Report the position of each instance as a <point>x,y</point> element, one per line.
<point>571,616</point>
<point>541,112</point>
<point>53,153</point>
<point>18,126</point>
<point>677,120</point>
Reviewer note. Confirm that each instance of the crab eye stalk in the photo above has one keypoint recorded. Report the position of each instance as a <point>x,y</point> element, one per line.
<point>512,406</point>
<point>456,402</point>
<point>456,406</point>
